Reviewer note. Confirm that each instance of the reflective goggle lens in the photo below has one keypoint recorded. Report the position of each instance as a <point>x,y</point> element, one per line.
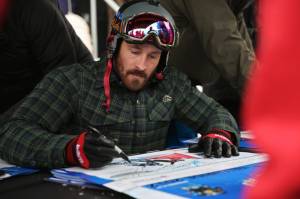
<point>163,30</point>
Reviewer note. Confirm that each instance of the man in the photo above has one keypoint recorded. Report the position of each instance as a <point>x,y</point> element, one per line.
<point>215,49</point>
<point>130,96</point>
<point>35,39</point>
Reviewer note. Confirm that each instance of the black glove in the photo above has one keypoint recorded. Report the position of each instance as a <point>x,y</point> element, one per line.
<point>216,143</point>
<point>90,150</point>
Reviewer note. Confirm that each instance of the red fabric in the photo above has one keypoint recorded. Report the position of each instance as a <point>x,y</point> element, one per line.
<point>78,158</point>
<point>83,160</point>
<point>221,137</point>
<point>159,76</point>
<point>106,83</point>
<point>71,160</point>
<point>226,133</point>
<point>272,109</point>
<point>3,10</point>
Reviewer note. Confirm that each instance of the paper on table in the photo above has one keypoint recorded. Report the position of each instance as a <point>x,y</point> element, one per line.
<point>223,184</point>
<point>124,176</point>
<point>3,164</point>
<point>12,170</point>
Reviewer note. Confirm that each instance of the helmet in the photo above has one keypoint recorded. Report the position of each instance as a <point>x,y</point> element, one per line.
<point>140,21</point>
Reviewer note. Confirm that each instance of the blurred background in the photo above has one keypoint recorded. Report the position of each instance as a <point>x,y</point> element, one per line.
<point>91,20</point>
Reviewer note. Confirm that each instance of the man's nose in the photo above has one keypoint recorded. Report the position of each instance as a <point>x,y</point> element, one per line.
<point>142,63</point>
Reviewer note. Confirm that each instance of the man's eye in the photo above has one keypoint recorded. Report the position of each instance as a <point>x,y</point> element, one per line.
<point>134,51</point>
<point>153,56</point>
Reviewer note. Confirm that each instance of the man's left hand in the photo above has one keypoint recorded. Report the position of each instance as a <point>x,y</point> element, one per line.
<point>217,144</point>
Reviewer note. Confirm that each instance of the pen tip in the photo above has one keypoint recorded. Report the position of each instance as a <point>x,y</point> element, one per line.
<point>128,160</point>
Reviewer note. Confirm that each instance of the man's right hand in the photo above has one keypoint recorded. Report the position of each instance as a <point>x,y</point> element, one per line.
<point>90,150</point>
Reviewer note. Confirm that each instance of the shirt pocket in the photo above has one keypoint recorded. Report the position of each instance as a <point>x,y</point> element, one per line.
<point>95,114</point>
<point>113,124</point>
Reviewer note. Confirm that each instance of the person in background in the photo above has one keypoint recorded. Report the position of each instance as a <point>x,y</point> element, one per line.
<point>251,15</point>
<point>130,96</point>
<point>35,39</point>
<point>215,50</point>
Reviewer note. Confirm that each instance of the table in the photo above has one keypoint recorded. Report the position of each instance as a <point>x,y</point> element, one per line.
<point>35,186</point>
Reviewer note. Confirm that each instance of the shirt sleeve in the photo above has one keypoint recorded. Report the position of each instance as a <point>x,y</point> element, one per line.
<point>33,135</point>
<point>51,39</point>
<point>201,112</point>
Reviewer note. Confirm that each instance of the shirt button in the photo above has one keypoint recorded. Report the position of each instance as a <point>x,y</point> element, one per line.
<point>133,122</point>
<point>137,101</point>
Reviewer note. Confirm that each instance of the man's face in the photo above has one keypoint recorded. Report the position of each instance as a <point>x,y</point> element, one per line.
<point>136,63</point>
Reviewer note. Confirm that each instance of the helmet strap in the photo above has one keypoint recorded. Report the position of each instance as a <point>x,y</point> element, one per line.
<point>159,76</point>
<point>106,83</point>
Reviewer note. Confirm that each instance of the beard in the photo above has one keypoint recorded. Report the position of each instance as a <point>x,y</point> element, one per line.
<point>135,80</point>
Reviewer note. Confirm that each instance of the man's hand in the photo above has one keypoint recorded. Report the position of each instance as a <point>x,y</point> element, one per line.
<point>217,143</point>
<point>89,150</point>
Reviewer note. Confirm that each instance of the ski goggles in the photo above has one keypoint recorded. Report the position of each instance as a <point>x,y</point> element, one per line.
<point>163,31</point>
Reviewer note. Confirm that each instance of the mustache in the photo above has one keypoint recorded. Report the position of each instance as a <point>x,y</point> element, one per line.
<point>137,73</point>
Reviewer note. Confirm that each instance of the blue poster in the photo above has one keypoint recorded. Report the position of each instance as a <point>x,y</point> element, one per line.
<point>217,185</point>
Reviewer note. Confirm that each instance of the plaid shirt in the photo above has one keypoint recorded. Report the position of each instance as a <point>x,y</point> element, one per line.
<point>73,95</point>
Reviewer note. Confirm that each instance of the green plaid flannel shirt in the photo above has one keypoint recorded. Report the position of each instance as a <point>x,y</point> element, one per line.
<point>71,97</point>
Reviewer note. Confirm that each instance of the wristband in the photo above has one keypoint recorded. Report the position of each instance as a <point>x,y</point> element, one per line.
<point>215,135</point>
<point>83,160</point>
<point>75,154</point>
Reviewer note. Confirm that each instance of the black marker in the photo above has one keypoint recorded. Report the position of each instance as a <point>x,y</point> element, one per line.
<point>120,151</point>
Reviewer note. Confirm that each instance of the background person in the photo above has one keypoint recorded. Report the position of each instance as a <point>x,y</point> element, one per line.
<point>215,49</point>
<point>35,39</point>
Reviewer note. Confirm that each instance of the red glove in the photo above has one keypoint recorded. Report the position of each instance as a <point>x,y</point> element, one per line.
<point>89,150</point>
<point>217,143</point>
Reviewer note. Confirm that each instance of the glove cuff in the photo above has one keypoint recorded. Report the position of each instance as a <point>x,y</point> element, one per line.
<point>75,153</point>
<point>70,155</point>
<point>221,134</point>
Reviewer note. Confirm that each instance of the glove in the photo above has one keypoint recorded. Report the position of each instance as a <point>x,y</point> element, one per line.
<point>217,143</point>
<point>89,150</point>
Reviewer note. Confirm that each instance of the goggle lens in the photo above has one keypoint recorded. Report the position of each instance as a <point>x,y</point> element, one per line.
<point>162,30</point>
